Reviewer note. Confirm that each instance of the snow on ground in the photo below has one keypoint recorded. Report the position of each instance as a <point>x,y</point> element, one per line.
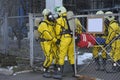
<point>82,58</point>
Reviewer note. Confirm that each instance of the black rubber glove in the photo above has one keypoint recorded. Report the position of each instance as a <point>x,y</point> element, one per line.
<point>58,41</point>
<point>36,40</point>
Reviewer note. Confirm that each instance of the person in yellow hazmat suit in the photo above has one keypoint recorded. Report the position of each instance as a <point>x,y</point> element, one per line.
<point>48,40</point>
<point>66,41</point>
<point>78,29</point>
<point>99,47</point>
<point>113,32</point>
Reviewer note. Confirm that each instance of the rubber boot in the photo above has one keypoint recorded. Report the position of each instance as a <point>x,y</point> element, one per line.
<point>55,67</point>
<point>103,64</point>
<point>115,67</point>
<point>97,64</point>
<point>73,68</point>
<point>46,74</point>
<point>118,62</point>
<point>59,73</point>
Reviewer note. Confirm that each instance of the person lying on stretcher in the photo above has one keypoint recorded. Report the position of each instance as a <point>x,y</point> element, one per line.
<point>86,40</point>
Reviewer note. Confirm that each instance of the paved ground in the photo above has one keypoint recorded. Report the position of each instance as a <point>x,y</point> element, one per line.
<point>103,75</point>
<point>38,75</point>
<point>88,71</point>
<point>32,76</point>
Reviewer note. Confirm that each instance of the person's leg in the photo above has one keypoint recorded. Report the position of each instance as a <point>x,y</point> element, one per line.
<point>46,73</point>
<point>55,49</point>
<point>115,53</point>
<point>96,57</point>
<point>73,68</point>
<point>116,57</point>
<point>63,48</point>
<point>48,60</point>
<point>59,73</point>
<point>118,64</point>
<point>104,58</point>
<point>46,66</point>
<point>71,57</point>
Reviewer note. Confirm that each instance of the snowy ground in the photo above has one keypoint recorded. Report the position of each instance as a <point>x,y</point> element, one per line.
<point>81,59</point>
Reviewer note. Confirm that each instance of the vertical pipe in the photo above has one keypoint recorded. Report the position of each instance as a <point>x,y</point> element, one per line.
<point>74,48</point>
<point>31,38</point>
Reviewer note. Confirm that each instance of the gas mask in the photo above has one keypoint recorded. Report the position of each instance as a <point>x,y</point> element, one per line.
<point>50,17</point>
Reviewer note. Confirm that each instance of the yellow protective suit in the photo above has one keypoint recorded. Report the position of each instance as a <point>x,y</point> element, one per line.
<point>78,29</point>
<point>98,48</point>
<point>47,37</point>
<point>114,31</point>
<point>66,44</point>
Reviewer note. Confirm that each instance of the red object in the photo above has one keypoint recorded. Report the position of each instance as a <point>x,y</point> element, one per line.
<point>86,40</point>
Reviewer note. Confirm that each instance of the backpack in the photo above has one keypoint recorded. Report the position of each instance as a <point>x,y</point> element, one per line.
<point>37,22</point>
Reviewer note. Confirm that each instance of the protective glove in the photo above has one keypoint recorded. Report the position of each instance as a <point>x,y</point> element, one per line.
<point>58,41</point>
<point>37,40</point>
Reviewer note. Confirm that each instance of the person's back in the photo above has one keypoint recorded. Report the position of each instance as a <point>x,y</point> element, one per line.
<point>46,30</point>
<point>66,41</point>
